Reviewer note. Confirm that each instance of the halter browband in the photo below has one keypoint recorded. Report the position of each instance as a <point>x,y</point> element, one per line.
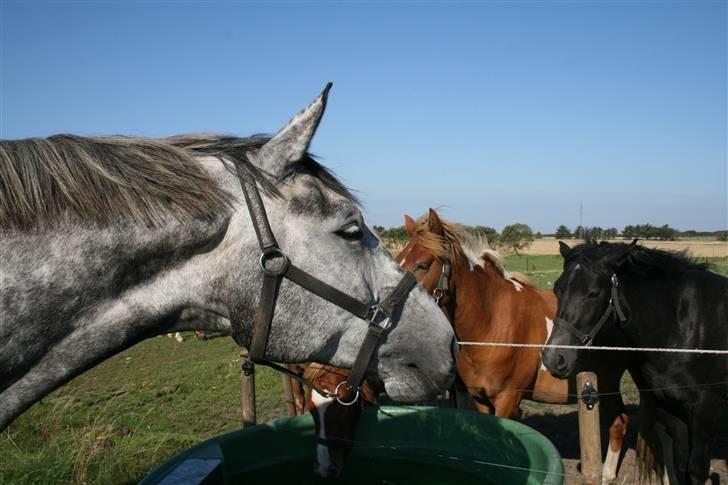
<point>377,314</point>
<point>613,309</point>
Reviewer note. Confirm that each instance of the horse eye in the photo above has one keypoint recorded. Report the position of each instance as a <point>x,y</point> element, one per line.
<point>350,232</point>
<point>423,267</point>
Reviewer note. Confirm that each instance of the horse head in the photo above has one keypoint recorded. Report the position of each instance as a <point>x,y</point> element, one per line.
<point>319,226</point>
<point>434,253</point>
<point>110,240</point>
<point>589,301</point>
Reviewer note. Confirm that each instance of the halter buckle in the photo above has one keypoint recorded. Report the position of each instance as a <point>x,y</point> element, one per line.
<point>376,309</point>
<point>615,280</point>
<point>338,395</point>
<point>438,294</point>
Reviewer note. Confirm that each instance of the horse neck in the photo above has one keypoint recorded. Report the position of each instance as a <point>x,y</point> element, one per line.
<point>103,292</point>
<point>651,306</point>
<point>476,293</point>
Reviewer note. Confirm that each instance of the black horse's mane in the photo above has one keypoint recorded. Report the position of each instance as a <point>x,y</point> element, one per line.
<point>607,256</point>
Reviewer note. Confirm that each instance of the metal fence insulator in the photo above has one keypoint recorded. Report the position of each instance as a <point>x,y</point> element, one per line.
<point>589,395</point>
<point>248,367</point>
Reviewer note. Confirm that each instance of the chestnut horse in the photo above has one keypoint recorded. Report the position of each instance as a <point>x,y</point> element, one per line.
<point>335,422</point>
<point>485,303</point>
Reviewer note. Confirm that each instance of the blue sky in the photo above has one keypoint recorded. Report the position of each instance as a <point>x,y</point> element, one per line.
<point>497,112</point>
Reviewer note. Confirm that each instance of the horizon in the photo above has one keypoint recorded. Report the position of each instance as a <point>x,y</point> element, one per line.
<point>493,113</point>
<point>573,232</point>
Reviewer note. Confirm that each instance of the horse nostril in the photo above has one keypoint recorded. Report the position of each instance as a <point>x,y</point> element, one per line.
<point>412,366</point>
<point>560,364</point>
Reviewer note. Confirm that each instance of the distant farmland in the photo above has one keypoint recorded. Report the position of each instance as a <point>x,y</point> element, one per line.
<point>696,247</point>
<point>549,246</point>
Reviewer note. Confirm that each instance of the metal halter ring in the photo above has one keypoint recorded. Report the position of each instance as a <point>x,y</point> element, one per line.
<point>438,293</point>
<point>273,253</point>
<point>344,403</point>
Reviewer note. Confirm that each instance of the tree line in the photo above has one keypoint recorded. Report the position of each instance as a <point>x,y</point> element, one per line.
<point>639,231</point>
<point>513,238</point>
<point>517,237</point>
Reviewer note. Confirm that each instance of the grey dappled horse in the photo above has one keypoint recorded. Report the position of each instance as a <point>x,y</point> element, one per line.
<point>107,241</point>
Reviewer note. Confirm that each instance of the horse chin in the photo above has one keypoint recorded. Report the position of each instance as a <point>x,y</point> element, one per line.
<point>414,386</point>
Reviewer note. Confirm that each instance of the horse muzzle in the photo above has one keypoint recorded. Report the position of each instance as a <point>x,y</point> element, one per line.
<point>559,363</point>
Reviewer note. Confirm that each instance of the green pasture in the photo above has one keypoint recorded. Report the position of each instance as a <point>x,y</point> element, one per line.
<point>542,270</point>
<point>117,421</point>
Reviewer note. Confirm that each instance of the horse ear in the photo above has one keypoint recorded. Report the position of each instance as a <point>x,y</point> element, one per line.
<point>291,142</point>
<point>626,254</point>
<point>564,249</point>
<point>410,226</point>
<point>434,224</point>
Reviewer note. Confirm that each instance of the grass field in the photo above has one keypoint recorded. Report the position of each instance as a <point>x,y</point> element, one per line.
<point>117,421</point>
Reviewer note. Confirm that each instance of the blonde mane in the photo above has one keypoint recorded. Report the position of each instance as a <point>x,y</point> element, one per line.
<point>457,241</point>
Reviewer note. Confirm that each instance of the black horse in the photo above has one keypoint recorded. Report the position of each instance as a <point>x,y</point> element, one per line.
<point>625,294</point>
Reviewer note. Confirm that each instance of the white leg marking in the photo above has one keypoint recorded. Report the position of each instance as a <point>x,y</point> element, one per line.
<point>609,472</point>
<point>322,451</point>
<point>549,330</point>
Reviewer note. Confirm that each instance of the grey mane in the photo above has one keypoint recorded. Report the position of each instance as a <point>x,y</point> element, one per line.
<point>106,180</point>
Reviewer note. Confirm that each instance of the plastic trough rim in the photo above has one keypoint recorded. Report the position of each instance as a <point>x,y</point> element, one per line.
<point>211,449</point>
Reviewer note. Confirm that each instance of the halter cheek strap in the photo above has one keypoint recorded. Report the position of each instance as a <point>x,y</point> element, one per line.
<point>443,284</point>
<point>614,309</point>
<point>276,266</point>
<point>379,322</point>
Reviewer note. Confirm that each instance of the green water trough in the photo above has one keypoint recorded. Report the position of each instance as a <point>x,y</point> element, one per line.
<point>394,445</point>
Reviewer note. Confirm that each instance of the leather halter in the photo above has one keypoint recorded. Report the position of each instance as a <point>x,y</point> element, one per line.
<point>377,314</point>
<point>443,284</point>
<point>613,309</point>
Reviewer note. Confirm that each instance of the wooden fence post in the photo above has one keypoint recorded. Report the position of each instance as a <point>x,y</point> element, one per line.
<point>589,440</point>
<point>247,390</point>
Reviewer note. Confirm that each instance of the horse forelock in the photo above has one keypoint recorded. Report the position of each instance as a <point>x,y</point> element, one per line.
<point>453,243</point>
